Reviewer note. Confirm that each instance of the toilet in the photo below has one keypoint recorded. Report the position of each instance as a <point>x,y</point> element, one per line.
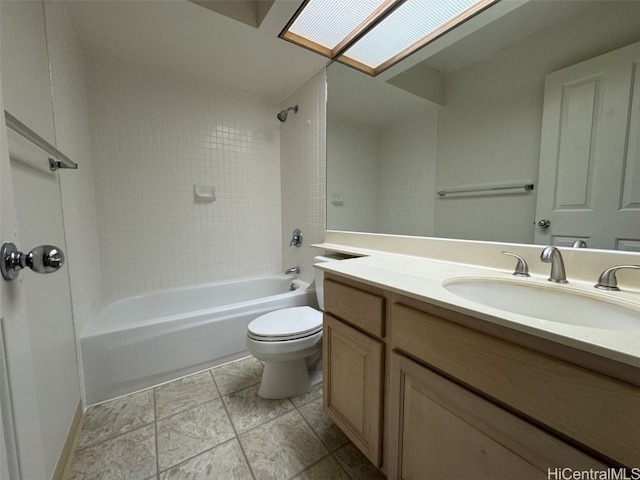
<point>289,343</point>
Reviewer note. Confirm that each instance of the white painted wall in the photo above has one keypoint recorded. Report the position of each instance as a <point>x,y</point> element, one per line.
<point>489,134</point>
<point>386,175</point>
<point>489,130</point>
<point>353,172</point>
<point>153,139</point>
<point>303,167</point>
<point>408,152</point>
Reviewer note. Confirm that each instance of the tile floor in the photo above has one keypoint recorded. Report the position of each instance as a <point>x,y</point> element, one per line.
<point>213,425</point>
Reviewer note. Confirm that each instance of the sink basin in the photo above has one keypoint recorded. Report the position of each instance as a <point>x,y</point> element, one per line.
<point>552,303</point>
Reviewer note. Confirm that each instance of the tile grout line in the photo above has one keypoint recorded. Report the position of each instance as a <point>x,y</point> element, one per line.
<point>196,406</point>
<point>155,427</point>
<point>237,437</point>
<point>331,452</point>
<point>139,427</point>
<point>292,406</point>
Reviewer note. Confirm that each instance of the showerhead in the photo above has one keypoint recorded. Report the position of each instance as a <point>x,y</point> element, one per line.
<point>282,116</point>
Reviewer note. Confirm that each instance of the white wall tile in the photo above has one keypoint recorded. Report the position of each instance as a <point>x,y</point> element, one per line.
<point>303,165</point>
<point>154,138</point>
<point>71,119</point>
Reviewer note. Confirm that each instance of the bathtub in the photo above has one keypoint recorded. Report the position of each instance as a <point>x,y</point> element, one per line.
<point>141,341</point>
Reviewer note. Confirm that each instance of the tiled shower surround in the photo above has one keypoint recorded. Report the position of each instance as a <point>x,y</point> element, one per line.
<point>153,139</point>
<point>213,425</point>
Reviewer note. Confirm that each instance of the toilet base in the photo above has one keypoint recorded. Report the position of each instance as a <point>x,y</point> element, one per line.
<point>289,379</point>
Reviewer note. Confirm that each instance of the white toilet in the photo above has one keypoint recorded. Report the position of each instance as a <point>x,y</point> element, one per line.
<point>289,342</point>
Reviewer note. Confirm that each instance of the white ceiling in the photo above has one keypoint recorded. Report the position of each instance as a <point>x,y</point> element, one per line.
<point>180,38</point>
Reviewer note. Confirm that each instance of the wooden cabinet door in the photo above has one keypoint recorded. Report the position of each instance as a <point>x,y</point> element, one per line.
<point>439,430</point>
<point>353,364</point>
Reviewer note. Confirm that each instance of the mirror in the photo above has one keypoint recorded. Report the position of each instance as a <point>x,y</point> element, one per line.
<point>470,117</point>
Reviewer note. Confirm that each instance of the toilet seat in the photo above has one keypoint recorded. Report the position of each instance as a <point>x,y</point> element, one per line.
<point>286,324</point>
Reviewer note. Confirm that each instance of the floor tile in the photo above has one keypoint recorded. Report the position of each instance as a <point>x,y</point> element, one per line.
<point>357,466</point>
<point>184,393</point>
<point>322,425</point>
<point>224,462</point>
<point>307,397</point>
<point>189,433</point>
<point>325,469</point>
<point>131,456</point>
<point>282,447</point>
<point>116,417</point>
<point>248,410</point>
<point>237,375</point>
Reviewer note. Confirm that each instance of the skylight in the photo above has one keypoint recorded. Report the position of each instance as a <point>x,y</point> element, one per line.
<point>373,35</point>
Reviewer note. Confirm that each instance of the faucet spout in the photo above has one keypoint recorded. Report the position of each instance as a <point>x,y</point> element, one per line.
<point>292,271</point>
<point>553,256</point>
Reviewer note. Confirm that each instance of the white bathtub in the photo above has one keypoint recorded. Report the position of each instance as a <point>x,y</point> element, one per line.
<point>142,341</point>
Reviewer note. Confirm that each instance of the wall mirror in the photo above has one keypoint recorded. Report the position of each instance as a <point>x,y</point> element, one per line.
<point>533,116</point>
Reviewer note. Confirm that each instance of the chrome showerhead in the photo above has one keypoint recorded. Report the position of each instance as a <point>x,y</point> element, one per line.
<point>282,116</point>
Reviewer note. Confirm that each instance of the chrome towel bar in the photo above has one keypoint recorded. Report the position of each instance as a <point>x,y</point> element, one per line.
<point>59,160</point>
<point>493,190</point>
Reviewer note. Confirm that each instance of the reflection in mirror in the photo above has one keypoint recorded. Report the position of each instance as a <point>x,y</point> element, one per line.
<point>475,114</point>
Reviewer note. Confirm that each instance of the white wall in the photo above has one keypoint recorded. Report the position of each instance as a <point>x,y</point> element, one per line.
<point>489,130</point>
<point>303,166</point>
<point>353,172</point>
<point>386,174</point>
<point>153,139</point>
<point>408,152</point>
<point>489,134</point>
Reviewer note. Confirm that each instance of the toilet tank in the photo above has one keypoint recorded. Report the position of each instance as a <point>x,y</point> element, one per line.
<point>319,276</point>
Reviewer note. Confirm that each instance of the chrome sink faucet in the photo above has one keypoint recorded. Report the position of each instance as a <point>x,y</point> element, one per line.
<point>553,256</point>
<point>608,280</point>
<point>522,269</point>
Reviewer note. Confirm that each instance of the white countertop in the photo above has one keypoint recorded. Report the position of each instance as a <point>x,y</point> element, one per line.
<point>422,279</point>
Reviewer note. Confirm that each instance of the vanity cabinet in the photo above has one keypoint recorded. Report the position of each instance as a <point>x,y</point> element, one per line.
<point>353,364</point>
<point>426,392</point>
<point>441,430</point>
<point>594,410</point>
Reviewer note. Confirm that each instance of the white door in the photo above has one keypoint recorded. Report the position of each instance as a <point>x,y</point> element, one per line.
<point>40,390</point>
<point>589,182</point>
<point>17,394</point>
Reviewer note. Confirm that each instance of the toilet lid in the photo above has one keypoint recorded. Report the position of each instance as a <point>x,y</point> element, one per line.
<point>287,324</point>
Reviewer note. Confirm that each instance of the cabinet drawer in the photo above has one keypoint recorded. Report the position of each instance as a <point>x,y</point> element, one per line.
<point>556,393</point>
<point>362,309</point>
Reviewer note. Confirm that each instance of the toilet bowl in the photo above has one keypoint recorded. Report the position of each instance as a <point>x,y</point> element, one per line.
<point>289,343</point>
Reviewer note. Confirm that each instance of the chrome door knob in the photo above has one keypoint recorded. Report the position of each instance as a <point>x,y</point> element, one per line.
<point>544,223</point>
<point>42,259</point>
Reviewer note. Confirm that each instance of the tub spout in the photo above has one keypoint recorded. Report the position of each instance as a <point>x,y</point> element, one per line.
<point>292,271</point>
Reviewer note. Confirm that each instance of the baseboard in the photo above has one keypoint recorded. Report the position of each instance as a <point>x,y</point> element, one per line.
<point>66,456</point>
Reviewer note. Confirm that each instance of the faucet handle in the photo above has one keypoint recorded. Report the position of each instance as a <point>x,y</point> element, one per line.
<point>608,280</point>
<point>522,269</point>
<point>296,239</point>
